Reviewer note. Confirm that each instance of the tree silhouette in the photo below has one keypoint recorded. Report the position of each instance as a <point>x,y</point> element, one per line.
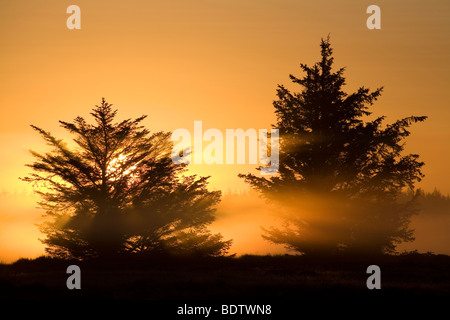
<point>117,190</point>
<point>340,175</point>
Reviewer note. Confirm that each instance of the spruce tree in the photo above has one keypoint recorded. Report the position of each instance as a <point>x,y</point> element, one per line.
<point>340,174</point>
<point>116,189</point>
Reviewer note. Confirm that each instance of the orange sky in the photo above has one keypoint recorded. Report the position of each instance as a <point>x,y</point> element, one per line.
<point>216,61</point>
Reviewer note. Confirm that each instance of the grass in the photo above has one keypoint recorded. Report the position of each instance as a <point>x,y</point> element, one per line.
<point>255,277</point>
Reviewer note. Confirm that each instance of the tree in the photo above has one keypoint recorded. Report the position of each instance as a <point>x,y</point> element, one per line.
<point>340,174</point>
<point>118,190</point>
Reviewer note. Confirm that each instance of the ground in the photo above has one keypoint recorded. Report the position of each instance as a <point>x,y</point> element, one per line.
<point>285,282</point>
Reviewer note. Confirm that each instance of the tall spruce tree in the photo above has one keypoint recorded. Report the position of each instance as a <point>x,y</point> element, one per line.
<point>117,190</point>
<point>340,175</point>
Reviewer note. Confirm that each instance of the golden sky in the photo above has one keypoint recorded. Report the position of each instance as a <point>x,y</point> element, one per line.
<point>218,61</point>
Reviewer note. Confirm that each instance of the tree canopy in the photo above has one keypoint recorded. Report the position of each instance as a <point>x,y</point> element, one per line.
<point>340,173</point>
<point>117,190</point>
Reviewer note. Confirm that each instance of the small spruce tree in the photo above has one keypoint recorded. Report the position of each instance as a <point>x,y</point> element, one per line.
<point>117,190</point>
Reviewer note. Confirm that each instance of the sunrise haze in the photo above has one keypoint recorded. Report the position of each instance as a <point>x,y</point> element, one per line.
<point>215,61</point>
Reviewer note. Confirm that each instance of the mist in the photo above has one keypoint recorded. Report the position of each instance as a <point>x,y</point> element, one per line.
<point>239,216</point>
<point>19,235</point>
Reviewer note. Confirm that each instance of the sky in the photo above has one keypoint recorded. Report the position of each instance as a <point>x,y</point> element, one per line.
<point>216,61</point>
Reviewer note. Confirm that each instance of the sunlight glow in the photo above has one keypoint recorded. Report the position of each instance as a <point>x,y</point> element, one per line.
<point>118,168</point>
